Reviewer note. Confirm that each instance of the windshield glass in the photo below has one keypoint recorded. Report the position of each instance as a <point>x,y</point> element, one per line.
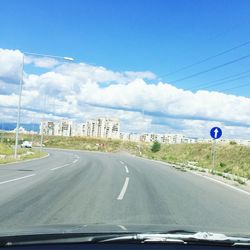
<point>124,116</point>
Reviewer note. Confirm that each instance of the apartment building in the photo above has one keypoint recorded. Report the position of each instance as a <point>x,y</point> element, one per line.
<point>104,127</point>
<point>57,128</point>
<point>101,127</point>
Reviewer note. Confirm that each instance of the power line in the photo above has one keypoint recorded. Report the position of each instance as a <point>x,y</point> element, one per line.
<point>219,80</point>
<point>207,59</point>
<point>211,69</point>
<point>236,87</point>
<point>223,82</point>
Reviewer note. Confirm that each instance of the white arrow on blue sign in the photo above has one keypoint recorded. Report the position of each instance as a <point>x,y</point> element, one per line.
<point>216,132</point>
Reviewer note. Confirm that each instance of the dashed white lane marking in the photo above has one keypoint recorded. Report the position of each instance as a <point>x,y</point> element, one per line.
<point>52,169</point>
<point>126,169</point>
<point>124,188</point>
<point>76,160</point>
<point>17,179</point>
<point>65,165</point>
<point>121,162</point>
<point>222,183</point>
<point>122,227</point>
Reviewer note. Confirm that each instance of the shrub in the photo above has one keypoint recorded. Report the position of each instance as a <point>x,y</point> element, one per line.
<point>222,165</point>
<point>156,147</point>
<point>228,170</point>
<point>232,142</point>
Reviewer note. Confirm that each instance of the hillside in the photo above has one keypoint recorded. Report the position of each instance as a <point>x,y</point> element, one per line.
<point>230,158</point>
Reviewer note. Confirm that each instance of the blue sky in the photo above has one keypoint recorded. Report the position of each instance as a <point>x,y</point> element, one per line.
<point>121,46</point>
<point>160,36</point>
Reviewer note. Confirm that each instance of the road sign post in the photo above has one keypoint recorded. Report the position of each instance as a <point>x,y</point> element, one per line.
<point>215,133</point>
<point>213,154</point>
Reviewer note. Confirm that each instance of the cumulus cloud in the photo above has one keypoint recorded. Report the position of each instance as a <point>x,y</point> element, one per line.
<point>42,62</point>
<point>10,65</point>
<point>143,75</point>
<point>81,91</point>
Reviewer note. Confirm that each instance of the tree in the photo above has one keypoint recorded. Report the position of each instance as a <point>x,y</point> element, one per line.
<point>156,147</point>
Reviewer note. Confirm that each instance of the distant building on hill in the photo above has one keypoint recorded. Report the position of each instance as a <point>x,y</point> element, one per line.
<point>101,127</point>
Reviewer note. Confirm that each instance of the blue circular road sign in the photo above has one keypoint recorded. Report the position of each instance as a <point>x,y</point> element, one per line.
<point>216,132</point>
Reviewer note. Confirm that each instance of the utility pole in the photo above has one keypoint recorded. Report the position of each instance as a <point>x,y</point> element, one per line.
<point>21,88</point>
<point>19,107</point>
<point>44,108</point>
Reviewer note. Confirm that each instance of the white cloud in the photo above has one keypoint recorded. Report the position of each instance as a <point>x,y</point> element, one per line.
<point>142,75</point>
<point>10,65</point>
<point>42,62</point>
<point>81,91</point>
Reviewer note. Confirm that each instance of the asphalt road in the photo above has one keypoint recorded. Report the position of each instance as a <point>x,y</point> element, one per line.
<point>72,187</point>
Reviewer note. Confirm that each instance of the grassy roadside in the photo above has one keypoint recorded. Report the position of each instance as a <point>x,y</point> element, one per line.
<point>230,158</point>
<point>6,154</point>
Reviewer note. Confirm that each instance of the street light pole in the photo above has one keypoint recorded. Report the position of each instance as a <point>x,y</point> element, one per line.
<point>21,89</point>
<point>42,128</point>
<point>19,107</point>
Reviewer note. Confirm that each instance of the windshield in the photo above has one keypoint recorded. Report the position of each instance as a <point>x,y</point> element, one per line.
<point>124,116</point>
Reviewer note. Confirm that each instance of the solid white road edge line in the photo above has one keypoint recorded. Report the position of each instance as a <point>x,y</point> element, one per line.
<point>124,188</point>
<point>208,178</point>
<point>222,183</point>
<point>17,179</point>
<point>126,169</point>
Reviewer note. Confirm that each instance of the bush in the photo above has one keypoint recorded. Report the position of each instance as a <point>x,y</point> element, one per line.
<point>156,147</point>
<point>228,170</point>
<point>232,142</point>
<point>222,165</point>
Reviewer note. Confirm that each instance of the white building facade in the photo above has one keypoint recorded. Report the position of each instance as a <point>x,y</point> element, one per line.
<point>101,128</point>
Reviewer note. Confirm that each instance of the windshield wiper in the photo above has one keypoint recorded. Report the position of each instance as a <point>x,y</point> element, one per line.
<point>182,237</point>
<point>177,236</point>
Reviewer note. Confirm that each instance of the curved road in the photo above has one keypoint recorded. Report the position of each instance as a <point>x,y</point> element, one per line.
<point>73,187</point>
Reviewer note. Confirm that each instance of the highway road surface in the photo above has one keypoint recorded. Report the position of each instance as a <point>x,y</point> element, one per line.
<point>73,187</point>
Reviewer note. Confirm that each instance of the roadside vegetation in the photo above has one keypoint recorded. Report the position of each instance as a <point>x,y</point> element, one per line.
<point>230,158</point>
<point>7,152</point>
<point>156,147</point>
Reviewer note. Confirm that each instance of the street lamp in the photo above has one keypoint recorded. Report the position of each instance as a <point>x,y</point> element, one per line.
<point>21,88</point>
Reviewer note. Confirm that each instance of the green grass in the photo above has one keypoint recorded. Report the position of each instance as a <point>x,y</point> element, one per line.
<point>6,153</point>
<point>92,144</point>
<point>5,149</point>
<point>10,158</point>
<point>231,158</point>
